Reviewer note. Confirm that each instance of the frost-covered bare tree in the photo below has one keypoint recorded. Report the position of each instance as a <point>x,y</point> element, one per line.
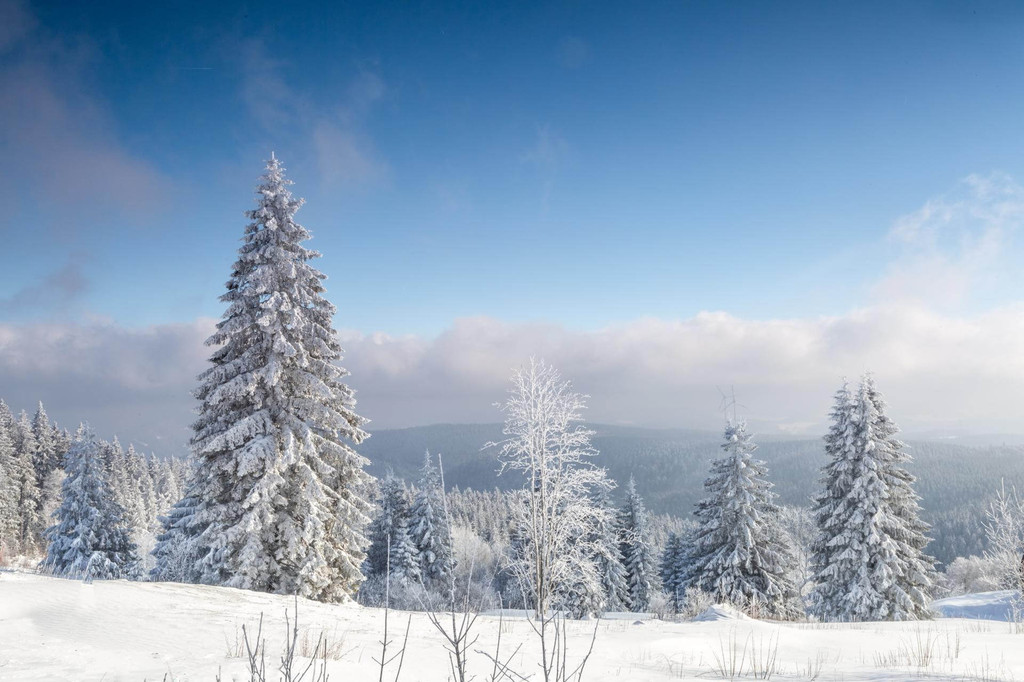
<point>555,513</point>
<point>1004,529</point>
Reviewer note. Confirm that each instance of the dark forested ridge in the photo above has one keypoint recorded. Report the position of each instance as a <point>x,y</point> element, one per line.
<point>955,481</point>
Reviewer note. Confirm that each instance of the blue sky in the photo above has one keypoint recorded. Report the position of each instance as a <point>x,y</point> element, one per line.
<point>576,164</point>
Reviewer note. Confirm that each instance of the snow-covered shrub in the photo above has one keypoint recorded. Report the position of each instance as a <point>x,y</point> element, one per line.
<point>661,604</point>
<point>475,558</point>
<point>966,575</point>
<point>695,601</point>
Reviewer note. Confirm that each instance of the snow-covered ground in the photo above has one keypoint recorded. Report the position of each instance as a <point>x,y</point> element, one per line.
<point>53,629</point>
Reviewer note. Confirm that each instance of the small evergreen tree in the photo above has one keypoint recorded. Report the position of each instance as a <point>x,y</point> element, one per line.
<point>405,558</point>
<point>607,542</point>
<point>739,553</point>
<point>671,579</point>
<point>47,459</point>
<point>429,527</point>
<point>27,493</point>
<point>635,550</point>
<point>9,520</point>
<point>89,539</point>
<point>176,551</point>
<point>389,531</point>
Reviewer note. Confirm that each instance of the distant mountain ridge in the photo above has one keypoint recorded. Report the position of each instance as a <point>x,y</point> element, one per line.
<point>955,481</point>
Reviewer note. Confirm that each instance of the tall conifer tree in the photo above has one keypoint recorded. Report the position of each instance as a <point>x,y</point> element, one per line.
<point>868,559</point>
<point>281,492</point>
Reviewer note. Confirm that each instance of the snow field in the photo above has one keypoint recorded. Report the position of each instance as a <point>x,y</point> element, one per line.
<point>116,631</point>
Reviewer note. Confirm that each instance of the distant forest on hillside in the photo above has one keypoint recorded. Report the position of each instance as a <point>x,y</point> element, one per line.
<point>955,481</point>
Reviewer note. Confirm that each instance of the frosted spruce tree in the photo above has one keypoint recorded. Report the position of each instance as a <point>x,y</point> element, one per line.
<point>391,544</point>
<point>739,553</point>
<point>635,550</point>
<point>673,579</point>
<point>429,526</point>
<point>916,576</point>
<point>28,535</point>
<point>868,559</point>
<point>48,461</point>
<point>9,519</point>
<point>90,538</point>
<point>279,489</point>
<point>176,550</point>
<point>606,537</point>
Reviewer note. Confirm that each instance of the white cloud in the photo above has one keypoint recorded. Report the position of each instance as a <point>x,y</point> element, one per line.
<point>54,293</point>
<point>345,156</point>
<point>956,245</point>
<point>938,371</point>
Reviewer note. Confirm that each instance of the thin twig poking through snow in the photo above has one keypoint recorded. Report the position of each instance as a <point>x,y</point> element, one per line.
<point>256,654</point>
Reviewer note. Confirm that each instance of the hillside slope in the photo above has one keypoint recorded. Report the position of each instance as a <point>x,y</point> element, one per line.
<point>66,631</point>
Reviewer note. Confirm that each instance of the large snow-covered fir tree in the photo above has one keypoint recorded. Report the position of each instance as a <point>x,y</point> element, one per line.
<point>868,560</point>
<point>280,491</point>
<point>739,553</point>
<point>90,538</point>
<point>428,525</point>
<point>635,550</point>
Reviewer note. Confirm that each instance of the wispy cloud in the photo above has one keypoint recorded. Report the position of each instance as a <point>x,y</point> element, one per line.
<point>957,243</point>
<point>55,130</point>
<point>54,294</point>
<point>573,52</point>
<point>547,156</point>
<point>336,133</point>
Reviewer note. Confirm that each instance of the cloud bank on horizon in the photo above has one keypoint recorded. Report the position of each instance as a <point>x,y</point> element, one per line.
<point>940,372</point>
<point>941,367</point>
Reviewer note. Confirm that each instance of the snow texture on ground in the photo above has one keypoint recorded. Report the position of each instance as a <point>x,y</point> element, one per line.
<point>53,629</point>
<point>1003,605</point>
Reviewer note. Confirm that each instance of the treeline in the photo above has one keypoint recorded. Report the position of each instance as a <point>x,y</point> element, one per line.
<point>857,554</point>
<point>34,466</point>
<point>955,481</point>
